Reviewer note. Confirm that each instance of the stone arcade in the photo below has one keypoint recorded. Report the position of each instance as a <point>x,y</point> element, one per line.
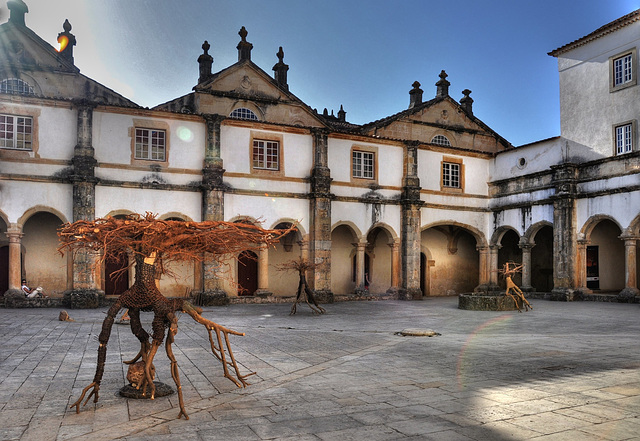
<point>427,201</point>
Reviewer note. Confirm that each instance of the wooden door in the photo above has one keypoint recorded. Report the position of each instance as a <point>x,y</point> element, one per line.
<point>247,273</point>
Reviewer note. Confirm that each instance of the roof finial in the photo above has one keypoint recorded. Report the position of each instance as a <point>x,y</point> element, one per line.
<point>244,47</point>
<point>467,102</point>
<point>280,70</point>
<point>67,41</point>
<point>415,95</point>
<point>205,61</point>
<point>442,85</point>
<point>17,9</point>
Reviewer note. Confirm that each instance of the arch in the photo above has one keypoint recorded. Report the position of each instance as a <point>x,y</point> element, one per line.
<point>477,234</point>
<point>175,215</point>
<point>634,227</point>
<point>592,222</point>
<point>245,219</point>
<point>244,110</point>
<point>38,209</point>
<point>498,234</point>
<point>354,229</point>
<point>391,234</point>
<point>530,234</point>
<point>4,218</point>
<point>294,222</point>
<point>119,213</point>
<point>16,86</point>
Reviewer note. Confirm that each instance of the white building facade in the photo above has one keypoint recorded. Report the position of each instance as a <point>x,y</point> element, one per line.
<point>428,201</point>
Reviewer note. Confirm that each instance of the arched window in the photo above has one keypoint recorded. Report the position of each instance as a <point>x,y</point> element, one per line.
<point>15,85</point>
<point>244,113</point>
<point>441,140</point>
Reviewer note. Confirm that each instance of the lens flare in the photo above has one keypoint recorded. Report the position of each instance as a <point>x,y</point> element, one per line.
<point>63,41</point>
<point>185,134</point>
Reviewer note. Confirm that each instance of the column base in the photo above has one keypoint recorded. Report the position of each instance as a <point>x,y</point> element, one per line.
<point>323,296</point>
<point>83,298</point>
<point>263,293</point>
<point>213,297</point>
<point>565,294</point>
<point>628,295</point>
<point>409,294</point>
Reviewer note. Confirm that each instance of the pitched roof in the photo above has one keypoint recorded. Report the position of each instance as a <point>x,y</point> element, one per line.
<point>598,33</point>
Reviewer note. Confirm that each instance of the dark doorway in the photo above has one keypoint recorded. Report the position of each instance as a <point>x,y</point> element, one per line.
<point>4,270</point>
<point>593,269</point>
<point>116,284</point>
<point>247,273</point>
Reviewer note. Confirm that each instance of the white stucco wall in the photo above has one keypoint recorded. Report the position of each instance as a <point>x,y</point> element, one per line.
<point>17,197</point>
<point>113,199</point>
<point>537,157</point>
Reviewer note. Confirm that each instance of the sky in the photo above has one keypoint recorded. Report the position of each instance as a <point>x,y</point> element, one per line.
<point>361,54</point>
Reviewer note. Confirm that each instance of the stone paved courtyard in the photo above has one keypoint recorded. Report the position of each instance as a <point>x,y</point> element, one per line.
<point>564,371</point>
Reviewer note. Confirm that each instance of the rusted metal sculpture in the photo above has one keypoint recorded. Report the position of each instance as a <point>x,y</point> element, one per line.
<point>304,292</point>
<point>152,242</point>
<point>517,295</point>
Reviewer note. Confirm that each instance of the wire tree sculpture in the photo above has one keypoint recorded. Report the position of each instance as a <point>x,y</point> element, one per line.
<point>304,292</point>
<point>518,296</point>
<point>153,242</point>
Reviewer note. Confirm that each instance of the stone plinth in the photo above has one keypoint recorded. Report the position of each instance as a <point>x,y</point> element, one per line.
<point>486,302</point>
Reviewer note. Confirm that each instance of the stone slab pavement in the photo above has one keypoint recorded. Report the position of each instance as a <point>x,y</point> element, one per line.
<point>564,371</point>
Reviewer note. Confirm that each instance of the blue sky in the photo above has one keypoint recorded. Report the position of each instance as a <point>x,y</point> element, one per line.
<point>361,54</point>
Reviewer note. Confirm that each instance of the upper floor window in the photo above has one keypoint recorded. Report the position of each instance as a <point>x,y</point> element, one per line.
<point>16,132</point>
<point>441,140</point>
<point>266,154</point>
<point>244,113</point>
<point>363,164</point>
<point>150,144</point>
<point>624,138</point>
<point>452,174</point>
<point>15,85</point>
<point>622,70</point>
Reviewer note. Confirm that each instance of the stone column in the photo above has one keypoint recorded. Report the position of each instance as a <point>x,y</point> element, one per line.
<point>212,200</point>
<point>564,178</point>
<point>320,219</point>
<point>493,267</point>
<point>410,226</point>
<point>263,271</point>
<point>14,233</point>
<point>360,248</point>
<point>581,266</point>
<point>526,266</point>
<point>85,271</point>
<point>483,266</point>
<point>395,264</point>
<point>631,282</point>
<point>304,248</point>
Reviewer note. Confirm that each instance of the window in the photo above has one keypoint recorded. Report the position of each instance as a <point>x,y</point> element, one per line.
<point>266,154</point>
<point>244,113</point>
<point>622,70</point>
<point>363,164</point>
<point>150,145</point>
<point>16,132</point>
<point>15,85</point>
<point>624,138</point>
<point>450,175</point>
<point>441,140</point>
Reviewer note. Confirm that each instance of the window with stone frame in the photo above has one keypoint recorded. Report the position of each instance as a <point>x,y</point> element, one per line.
<point>266,154</point>
<point>441,140</point>
<point>16,132</point>
<point>451,174</point>
<point>624,135</point>
<point>150,144</point>
<point>363,164</point>
<point>622,69</point>
<point>244,113</point>
<point>16,86</point>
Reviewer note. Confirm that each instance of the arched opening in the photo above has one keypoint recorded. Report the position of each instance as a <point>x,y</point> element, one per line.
<point>542,260</point>
<point>454,263</point>
<point>287,249</point>
<point>343,252</point>
<point>43,265</point>
<point>377,261</point>
<point>116,270</point>
<point>4,258</point>
<point>179,277</point>
<point>605,258</point>
<point>247,271</point>
<point>509,252</point>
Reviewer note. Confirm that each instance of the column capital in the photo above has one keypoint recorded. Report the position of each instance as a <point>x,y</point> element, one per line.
<point>628,237</point>
<point>526,246</point>
<point>14,233</point>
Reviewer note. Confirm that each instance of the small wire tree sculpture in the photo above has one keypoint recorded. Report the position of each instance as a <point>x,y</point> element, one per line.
<point>154,242</point>
<point>304,293</point>
<point>518,296</point>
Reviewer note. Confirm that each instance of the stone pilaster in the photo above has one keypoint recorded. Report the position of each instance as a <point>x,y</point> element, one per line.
<point>85,271</point>
<point>493,267</point>
<point>320,219</point>
<point>263,272</point>
<point>564,231</point>
<point>526,266</point>
<point>581,266</point>
<point>630,291</point>
<point>14,233</point>
<point>213,190</point>
<point>360,252</point>
<point>410,224</point>
<point>484,269</point>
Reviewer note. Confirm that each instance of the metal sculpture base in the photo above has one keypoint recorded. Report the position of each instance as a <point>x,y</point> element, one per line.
<point>162,390</point>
